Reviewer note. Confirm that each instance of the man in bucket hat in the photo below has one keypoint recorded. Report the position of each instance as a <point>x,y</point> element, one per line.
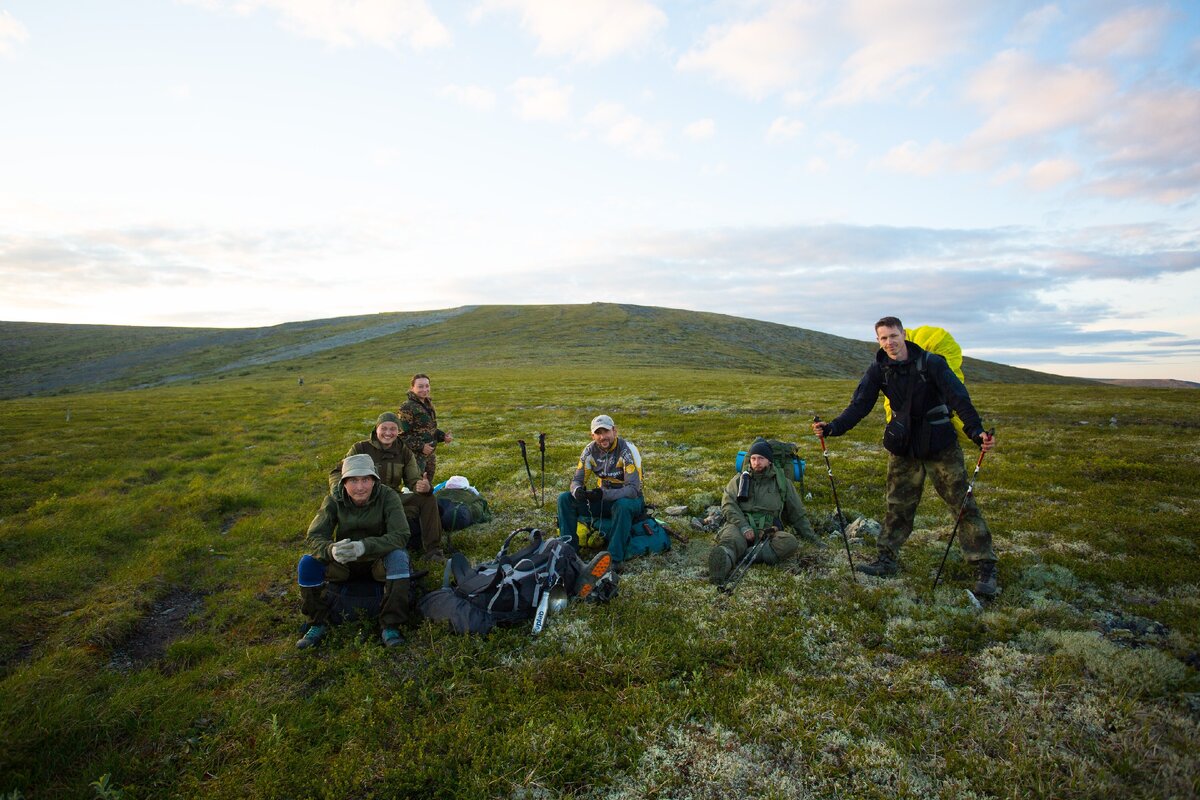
<point>368,519</point>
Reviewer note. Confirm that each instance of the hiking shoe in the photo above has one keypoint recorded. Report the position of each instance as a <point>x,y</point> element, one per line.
<point>434,555</point>
<point>985,580</point>
<point>391,637</point>
<point>720,564</point>
<point>882,567</point>
<point>595,569</point>
<point>314,634</point>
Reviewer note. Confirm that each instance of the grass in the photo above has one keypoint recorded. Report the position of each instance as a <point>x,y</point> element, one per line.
<point>150,604</point>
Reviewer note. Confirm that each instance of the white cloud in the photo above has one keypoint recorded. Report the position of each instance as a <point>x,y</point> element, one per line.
<point>347,23</point>
<point>900,40</point>
<point>542,99</point>
<point>1133,33</point>
<point>843,146</point>
<point>817,165</point>
<point>1049,173</point>
<point>475,97</point>
<point>784,128</point>
<point>700,129</point>
<point>12,33</point>
<point>1027,98</point>
<point>757,57</point>
<point>619,128</point>
<point>1031,27</point>
<point>912,159</point>
<point>587,30</point>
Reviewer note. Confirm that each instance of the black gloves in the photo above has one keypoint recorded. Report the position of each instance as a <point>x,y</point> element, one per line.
<point>596,494</point>
<point>583,495</point>
<point>579,494</point>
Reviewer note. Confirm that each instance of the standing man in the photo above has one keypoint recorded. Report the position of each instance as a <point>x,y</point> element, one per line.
<point>615,467</point>
<point>368,519</point>
<point>418,425</point>
<point>759,502</point>
<point>920,440</point>
<point>397,467</point>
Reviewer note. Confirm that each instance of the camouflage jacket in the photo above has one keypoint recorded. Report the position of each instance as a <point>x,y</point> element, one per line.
<point>418,424</point>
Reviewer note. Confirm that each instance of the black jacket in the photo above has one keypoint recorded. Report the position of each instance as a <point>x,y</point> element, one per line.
<point>906,389</point>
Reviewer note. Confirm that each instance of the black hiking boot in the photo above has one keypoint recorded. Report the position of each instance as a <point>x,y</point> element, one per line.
<point>884,566</point>
<point>985,580</point>
<point>720,564</point>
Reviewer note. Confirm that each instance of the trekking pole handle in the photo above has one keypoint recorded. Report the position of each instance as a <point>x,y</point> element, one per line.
<point>820,436</point>
<point>522,443</point>
<point>542,442</point>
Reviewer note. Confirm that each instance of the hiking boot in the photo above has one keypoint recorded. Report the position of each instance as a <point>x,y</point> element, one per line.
<point>391,637</point>
<point>884,566</point>
<point>592,573</point>
<point>985,579</point>
<point>435,554</point>
<point>720,564</point>
<point>314,634</point>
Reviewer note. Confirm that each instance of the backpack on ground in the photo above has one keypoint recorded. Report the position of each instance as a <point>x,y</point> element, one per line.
<point>933,339</point>
<point>784,455</point>
<point>509,589</point>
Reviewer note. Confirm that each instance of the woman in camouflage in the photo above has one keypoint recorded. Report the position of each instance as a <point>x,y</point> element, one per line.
<point>418,425</point>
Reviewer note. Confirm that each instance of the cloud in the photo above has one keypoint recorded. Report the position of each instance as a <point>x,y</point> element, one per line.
<point>1133,33</point>
<point>899,42</point>
<point>784,128</point>
<point>842,146</point>
<point>585,30</point>
<point>757,57</point>
<point>700,129</point>
<point>475,97</point>
<point>1050,173</point>
<point>619,128</point>
<point>348,23</point>
<point>12,33</point>
<point>1023,97</point>
<point>542,99</point>
<point>913,159</point>
<point>1031,27</point>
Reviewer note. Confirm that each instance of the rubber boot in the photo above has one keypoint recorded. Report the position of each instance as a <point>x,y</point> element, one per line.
<point>985,580</point>
<point>720,564</point>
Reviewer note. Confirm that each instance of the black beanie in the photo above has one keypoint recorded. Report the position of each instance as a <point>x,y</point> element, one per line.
<point>761,448</point>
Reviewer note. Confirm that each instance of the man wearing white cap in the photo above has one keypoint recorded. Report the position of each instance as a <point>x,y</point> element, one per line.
<point>368,518</point>
<point>614,468</point>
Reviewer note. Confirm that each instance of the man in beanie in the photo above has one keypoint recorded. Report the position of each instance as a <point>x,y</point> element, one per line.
<point>397,467</point>
<point>368,519</point>
<point>759,502</point>
<point>614,467</point>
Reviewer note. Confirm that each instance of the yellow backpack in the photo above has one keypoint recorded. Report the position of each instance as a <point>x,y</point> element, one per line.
<point>932,339</point>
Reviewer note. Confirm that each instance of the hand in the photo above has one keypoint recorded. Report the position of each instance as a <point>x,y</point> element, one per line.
<point>448,438</point>
<point>580,494</point>
<point>986,441</point>
<point>346,551</point>
<point>749,535</point>
<point>427,450</point>
<point>819,428</point>
<point>422,486</point>
<point>596,495</point>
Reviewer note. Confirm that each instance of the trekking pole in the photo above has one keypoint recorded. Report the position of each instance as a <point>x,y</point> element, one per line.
<point>836,504</point>
<point>542,447</point>
<point>961,508</point>
<point>743,566</point>
<point>529,472</point>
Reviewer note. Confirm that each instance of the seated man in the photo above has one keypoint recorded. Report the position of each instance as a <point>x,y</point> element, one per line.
<point>369,519</point>
<point>397,468</point>
<point>616,466</point>
<point>767,501</point>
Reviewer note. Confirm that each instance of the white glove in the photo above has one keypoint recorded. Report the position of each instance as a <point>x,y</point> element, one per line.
<point>346,551</point>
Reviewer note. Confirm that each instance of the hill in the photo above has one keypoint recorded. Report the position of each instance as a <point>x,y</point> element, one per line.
<point>44,358</point>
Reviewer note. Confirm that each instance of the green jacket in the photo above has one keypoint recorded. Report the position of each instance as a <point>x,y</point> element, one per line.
<point>479,507</point>
<point>396,465</point>
<point>766,504</point>
<point>418,424</point>
<point>380,524</point>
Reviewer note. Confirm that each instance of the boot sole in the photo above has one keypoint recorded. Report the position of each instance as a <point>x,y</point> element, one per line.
<point>593,572</point>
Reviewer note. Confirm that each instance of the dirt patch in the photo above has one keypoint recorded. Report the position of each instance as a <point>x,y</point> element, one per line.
<point>164,623</point>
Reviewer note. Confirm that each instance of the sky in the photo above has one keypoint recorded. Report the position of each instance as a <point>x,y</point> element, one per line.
<point>1025,174</point>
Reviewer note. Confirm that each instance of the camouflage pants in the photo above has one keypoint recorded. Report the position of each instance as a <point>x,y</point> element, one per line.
<point>906,480</point>
<point>423,509</point>
<point>782,545</point>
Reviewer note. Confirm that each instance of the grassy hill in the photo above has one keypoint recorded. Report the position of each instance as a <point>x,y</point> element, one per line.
<point>42,358</point>
<point>149,601</point>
